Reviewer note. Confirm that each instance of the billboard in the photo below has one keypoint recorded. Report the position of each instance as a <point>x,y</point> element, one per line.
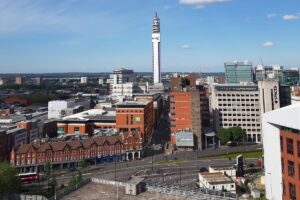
<point>184,139</point>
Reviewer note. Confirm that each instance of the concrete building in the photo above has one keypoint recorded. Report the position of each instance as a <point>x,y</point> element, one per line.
<point>216,181</point>
<point>281,143</point>
<point>134,186</point>
<point>269,72</point>
<point>83,80</point>
<point>238,72</point>
<point>124,89</point>
<point>121,76</point>
<point>37,81</point>
<point>156,50</point>
<point>243,105</point>
<point>20,80</point>
<point>3,81</point>
<point>62,108</point>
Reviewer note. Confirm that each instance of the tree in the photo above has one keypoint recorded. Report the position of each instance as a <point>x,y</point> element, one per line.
<point>224,135</point>
<point>9,182</point>
<point>47,170</point>
<point>235,134</point>
<point>82,164</point>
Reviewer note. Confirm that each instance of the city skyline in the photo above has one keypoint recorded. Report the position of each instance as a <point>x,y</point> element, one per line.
<point>99,36</point>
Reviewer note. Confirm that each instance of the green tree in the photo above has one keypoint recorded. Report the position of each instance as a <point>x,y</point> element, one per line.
<point>9,182</point>
<point>236,134</point>
<point>82,164</point>
<point>47,170</point>
<point>224,135</point>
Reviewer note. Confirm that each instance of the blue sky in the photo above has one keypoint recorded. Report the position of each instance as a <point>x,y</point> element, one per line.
<point>39,36</point>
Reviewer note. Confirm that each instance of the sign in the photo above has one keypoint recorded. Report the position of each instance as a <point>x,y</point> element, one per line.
<point>137,119</point>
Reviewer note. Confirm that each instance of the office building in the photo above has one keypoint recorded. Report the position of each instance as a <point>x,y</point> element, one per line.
<point>83,80</point>
<point>185,108</point>
<point>134,115</point>
<point>121,76</point>
<point>291,76</point>
<point>124,89</point>
<point>242,105</point>
<point>281,143</point>
<point>238,72</point>
<point>156,50</point>
<point>2,81</point>
<point>274,72</point>
<point>20,80</point>
<point>37,81</point>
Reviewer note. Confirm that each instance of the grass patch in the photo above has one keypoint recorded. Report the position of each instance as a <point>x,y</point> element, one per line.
<point>175,161</point>
<point>249,154</point>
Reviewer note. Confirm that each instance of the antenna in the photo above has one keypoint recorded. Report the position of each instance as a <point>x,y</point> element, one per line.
<point>261,61</point>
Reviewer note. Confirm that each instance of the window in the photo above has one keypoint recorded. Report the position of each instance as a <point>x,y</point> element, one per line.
<point>76,130</point>
<point>291,168</point>
<point>290,147</point>
<point>292,191</point>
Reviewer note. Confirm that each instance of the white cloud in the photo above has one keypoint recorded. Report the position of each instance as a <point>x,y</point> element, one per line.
<point>167,7</point>
<point>268,44</point>
<point>271,15</point>
<point>201,3</point>
<point>291,17</point>
<point>185,46</point>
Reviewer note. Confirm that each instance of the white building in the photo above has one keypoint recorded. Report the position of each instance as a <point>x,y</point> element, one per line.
<point>281,137</point>
<point>216,181</point>
<point>243,105</point>
<point>61,108</point>
<point>121,76</point>
<point>226,170</point>
<point>83,80</point>
<point>123,89</point>
<point>156,50</point>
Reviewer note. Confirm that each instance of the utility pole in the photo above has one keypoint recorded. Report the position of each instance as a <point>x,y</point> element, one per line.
<point>180,174</point>
<point>152,157</point>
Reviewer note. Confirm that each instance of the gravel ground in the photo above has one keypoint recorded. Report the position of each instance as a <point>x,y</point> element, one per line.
<point>93,191</point>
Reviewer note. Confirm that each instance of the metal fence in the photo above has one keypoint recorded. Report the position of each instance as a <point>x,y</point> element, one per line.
<point>189,192</point>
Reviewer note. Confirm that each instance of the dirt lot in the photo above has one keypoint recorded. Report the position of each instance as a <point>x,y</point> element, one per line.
<point>93,191</point>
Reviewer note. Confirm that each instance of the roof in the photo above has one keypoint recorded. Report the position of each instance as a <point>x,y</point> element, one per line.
<point>288,116</point>
<point>135,180</point>
<point>132,104</point>
<point>216,178</point>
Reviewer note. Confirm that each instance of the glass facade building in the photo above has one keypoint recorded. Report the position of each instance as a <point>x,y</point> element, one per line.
<point>237,72</point>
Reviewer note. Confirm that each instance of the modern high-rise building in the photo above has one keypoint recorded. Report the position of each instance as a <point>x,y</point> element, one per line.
<point>237,72</point>
<point>281,143</point>
<point>156,50</point>
<point>121,76</point>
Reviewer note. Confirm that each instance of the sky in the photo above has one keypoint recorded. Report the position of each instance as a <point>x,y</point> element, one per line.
<point>41,36</point>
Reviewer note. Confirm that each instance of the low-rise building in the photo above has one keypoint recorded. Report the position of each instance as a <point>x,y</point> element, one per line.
<point>216,181</point>
<point>3,145</point>
<point>226,170</point>
<point>62,108</point>
<point>34,156</point>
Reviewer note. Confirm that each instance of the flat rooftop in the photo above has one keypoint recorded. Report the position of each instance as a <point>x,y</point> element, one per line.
<point>216,178</point>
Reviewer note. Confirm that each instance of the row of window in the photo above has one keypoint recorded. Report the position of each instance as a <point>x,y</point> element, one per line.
<point>239,119</point>
<point>238,100</point>
<point>292,191</point>
<point>240,125</point>
<point>238,104</point>
<point>238,95</point>
<point>238,114</point>
<point>290,146</point>
<point>235,109</point>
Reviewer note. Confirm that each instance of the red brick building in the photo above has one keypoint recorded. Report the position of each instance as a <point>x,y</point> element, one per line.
<point>185,110</point>
<point>16,100</point>
<point>135,116</point>
<point>34,156</point>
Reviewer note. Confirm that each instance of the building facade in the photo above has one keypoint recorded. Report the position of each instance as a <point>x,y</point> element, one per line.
<point>135,116</point>
<point>237,72</point>
<point>3,145</point>
<point>281,143</point>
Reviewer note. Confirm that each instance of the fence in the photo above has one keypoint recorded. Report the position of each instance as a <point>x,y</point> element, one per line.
<point>108,182</point>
